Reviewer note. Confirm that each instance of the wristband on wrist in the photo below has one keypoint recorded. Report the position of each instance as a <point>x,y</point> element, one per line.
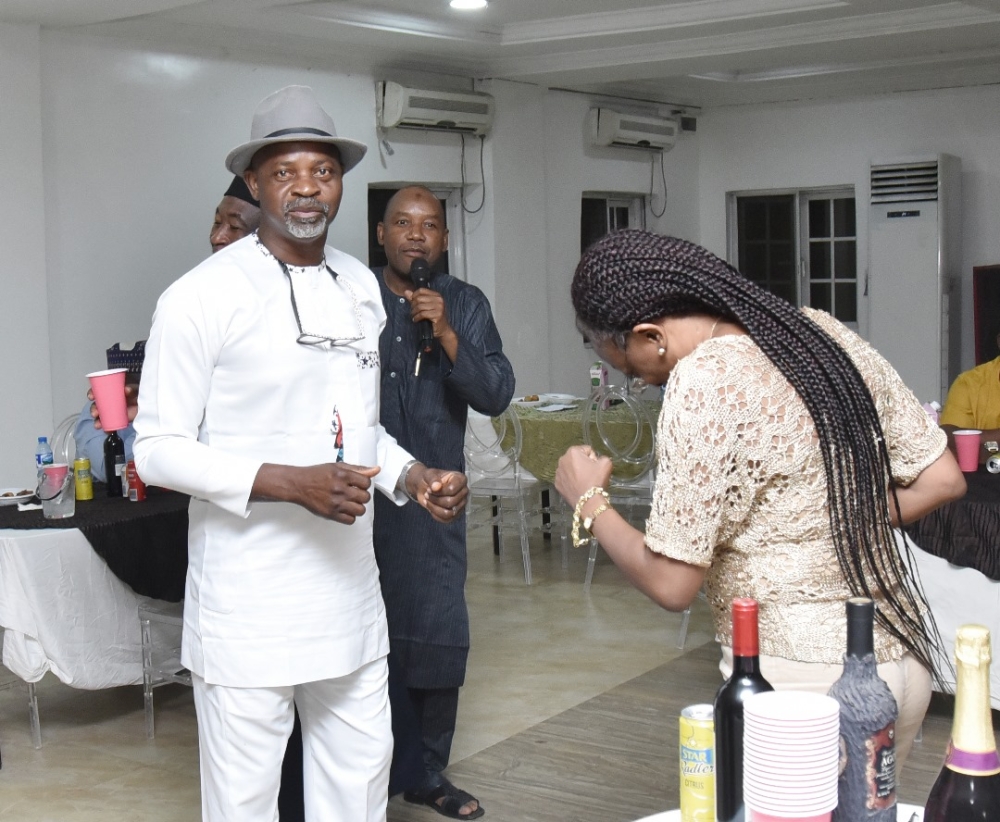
<point>578,513</point>
<point>588,522</point>
<point>401,481</point>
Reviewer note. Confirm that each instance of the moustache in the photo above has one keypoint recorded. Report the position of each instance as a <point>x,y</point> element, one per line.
<point>306,202</point>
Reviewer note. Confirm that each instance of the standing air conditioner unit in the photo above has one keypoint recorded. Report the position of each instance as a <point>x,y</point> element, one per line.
<point>612,128</point>
<point>401,107</point>
<point>914,236</point>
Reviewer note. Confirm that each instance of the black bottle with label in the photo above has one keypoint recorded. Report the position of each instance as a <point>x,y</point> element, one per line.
<point>114,463</point>
<point>866,791</point>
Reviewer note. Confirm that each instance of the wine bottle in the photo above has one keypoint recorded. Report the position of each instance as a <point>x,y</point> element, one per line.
<point>866,791</point>
<point>745,681</point>
<point>968,787</point>
<point>114,463</point>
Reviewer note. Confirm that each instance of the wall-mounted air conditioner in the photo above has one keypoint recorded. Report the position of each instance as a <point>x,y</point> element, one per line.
<point>613,128</point>
<point>914,258</point>
<point>400,107</point>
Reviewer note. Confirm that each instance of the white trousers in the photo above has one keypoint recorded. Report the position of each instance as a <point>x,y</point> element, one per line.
<point>346,747</point>
<point>909,681</point>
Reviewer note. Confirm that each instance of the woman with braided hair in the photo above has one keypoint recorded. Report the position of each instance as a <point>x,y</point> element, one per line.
<point>787,450</point>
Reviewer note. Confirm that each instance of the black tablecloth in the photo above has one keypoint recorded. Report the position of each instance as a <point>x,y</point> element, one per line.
<point>966,532</point>
<point>143,543</point>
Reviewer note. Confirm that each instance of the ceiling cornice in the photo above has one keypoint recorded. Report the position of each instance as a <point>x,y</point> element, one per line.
<point>798,72</point>
<point>628,21</point>
<point>943,16</point>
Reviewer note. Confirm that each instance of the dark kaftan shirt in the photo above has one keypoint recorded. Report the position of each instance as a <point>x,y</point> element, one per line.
<point>422,562</point>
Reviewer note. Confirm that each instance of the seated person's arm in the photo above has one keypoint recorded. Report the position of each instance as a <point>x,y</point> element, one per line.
<point>89,436</point>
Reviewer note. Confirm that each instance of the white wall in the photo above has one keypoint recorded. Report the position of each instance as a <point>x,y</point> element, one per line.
<point>134,145</point>
<point>542,166</point>
<point>832,143</point>
<point>26,411</point>
<point>572,167</point>
<point>133,142</point>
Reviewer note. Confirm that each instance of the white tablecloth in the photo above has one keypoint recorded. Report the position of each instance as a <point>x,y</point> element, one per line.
<point>63,610</point>
<point>958,596</point>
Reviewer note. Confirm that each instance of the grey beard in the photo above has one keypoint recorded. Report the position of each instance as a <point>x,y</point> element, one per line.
<point>306,231</point>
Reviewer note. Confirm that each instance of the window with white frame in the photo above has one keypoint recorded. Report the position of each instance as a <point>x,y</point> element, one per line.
<point>800,245</point>
<point>601,214</point>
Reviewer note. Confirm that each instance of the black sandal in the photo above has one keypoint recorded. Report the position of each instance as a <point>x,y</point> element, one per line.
<point>454,800</point>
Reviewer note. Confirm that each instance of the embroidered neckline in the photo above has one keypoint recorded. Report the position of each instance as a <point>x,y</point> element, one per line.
<point>290,266</point>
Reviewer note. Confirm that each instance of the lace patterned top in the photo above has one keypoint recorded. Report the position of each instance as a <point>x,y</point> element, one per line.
<point>741,489</point>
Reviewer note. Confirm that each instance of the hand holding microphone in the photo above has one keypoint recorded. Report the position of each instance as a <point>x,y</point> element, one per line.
<point>420,276</point>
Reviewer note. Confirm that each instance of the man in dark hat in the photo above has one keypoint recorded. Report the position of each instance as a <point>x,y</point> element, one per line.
<point>260,398</point>
<point>236,215</point>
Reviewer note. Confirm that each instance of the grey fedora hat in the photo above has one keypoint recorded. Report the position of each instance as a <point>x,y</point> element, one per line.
<point>292,114</point>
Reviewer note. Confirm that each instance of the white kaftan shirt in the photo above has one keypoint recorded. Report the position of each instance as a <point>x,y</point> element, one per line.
<point>275,595</point>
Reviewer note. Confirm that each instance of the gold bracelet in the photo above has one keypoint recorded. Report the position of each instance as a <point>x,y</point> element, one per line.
<point>578,512</point>
<point>588,522</point>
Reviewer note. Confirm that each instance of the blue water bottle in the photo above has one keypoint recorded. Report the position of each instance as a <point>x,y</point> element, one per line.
<point>43,453</point>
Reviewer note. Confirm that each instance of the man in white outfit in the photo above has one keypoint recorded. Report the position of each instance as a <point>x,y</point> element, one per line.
<point>259,397</point>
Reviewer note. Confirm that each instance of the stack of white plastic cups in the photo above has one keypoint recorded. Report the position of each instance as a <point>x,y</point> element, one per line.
<point>791,753</point>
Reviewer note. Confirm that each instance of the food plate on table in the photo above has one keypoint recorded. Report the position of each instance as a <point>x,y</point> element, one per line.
<point>561,399</point>
<point>12,496</point>
<point>528,401</point>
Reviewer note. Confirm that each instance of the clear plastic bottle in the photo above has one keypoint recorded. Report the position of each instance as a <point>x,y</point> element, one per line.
<point>43,453</point>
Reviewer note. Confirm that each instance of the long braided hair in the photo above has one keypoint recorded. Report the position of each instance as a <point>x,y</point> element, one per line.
<point>633,276</point>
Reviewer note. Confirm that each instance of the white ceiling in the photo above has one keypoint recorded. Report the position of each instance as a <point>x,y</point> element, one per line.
<point>690,53</point>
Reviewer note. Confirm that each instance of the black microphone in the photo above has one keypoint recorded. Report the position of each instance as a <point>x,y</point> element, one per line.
<point>420,275</point>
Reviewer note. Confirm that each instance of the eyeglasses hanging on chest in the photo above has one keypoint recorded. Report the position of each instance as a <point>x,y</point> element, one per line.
<point>326,308</point>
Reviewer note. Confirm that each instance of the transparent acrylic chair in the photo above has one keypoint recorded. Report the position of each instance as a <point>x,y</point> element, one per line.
<point>617,424</point>
<point>33,718</point>
<point>499,488</point>
<point>161,624</point>
<point>63,442</point>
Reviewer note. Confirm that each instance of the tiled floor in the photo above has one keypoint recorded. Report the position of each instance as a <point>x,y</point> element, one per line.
<point>535,652</point>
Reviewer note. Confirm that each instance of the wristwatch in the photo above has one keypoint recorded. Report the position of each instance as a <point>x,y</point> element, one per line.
<point>993,460</point>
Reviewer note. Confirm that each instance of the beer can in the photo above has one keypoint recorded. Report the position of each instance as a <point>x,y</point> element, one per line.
<point>136,487</point>
<point>697,755</point>
<point>83,479</point>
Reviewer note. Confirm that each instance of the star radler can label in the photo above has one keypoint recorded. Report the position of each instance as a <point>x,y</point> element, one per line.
<point>82,478</point>
<point>697,752</point>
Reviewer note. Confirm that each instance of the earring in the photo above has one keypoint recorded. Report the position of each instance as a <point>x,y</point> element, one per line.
<point>661,351</point>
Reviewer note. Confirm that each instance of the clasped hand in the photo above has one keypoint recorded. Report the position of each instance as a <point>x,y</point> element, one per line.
<point>579,470</point>
<point>442,493</point>
<point>340,491</point>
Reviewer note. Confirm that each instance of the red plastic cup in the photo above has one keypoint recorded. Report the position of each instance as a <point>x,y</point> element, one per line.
<point>109,394</point>
<point>55,474</point>
<point>55,490</point>
<point>967,448</point>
